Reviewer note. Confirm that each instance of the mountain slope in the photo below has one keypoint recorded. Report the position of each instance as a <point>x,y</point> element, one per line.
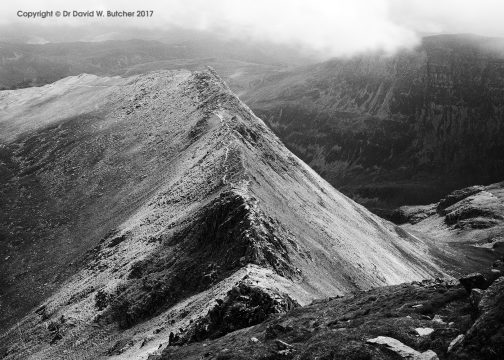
<point>466,224</point>
<point>159,202</point>
<point>395,130</point>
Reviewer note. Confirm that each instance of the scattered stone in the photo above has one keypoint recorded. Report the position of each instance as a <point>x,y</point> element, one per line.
<point>402,350</point>
<point>424,331</point>
<point>120,346</point>
<point>254,339</point>
<point>438,319</point>
<point>145,341</point>
<point>474,280</point>
<point>285,353</point>
<point>417,306</point>
<point>455,342</point>
<point>41,310</point>
<point>282,345</point>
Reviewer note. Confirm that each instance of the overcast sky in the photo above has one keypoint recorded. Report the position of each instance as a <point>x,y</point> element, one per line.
<point>336,27</point>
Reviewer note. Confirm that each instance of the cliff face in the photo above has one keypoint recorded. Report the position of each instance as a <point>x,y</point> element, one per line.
<point>395,130</point>
<point>158,204</point>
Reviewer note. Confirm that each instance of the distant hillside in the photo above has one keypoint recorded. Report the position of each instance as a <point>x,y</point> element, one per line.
<point>397,130</point>
<point>24,65</point>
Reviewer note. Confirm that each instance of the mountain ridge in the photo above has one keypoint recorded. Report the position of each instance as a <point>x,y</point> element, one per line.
<point>201,202</point>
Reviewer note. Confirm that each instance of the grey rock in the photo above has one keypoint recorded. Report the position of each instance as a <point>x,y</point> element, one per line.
<point>476,296</point>
<point>424,331</point>
<point>474,280</point>
<point>402,350</point>
<point>489,299</point>
<point>455,342</point>
<point>282,345</point>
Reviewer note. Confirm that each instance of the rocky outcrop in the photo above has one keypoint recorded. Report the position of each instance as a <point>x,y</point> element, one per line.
<point>472,281</point>
<point>419,320</point>
<point>467,223</point>
<point>399,130</point>
<point>412,214</point>
<point>244,305</point>
<point>485,339</point>
<point>456,196</point>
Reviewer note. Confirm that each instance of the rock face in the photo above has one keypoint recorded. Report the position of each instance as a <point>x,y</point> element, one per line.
<point>485,338</point>
<point>398,130</point>
<point>186,214</point>
<point>465,224</point>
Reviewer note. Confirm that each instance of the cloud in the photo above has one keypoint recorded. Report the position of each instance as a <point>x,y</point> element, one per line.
<point>330,27</point>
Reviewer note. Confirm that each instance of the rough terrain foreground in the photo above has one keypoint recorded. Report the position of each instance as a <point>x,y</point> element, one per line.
<point>428,320</point>
<point>158,208</point>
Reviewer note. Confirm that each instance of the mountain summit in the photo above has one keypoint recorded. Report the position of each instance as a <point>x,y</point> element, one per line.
<point>160,206</point>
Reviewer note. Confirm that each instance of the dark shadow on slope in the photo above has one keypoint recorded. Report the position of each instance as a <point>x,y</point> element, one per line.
<point>202,250</point>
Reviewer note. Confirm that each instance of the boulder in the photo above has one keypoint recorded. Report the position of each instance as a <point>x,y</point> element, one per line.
<point>490,299</point>
<point>282,345</point>
<point>493,275</point>
<point>402,350</point>
<point>475,297</point>
<point>485,338</point>
<point>424,331</point>
<point>474,280</point>
<point>455,342</point>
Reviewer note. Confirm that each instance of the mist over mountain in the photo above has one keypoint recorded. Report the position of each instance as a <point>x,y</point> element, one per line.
<point>283,180</point>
